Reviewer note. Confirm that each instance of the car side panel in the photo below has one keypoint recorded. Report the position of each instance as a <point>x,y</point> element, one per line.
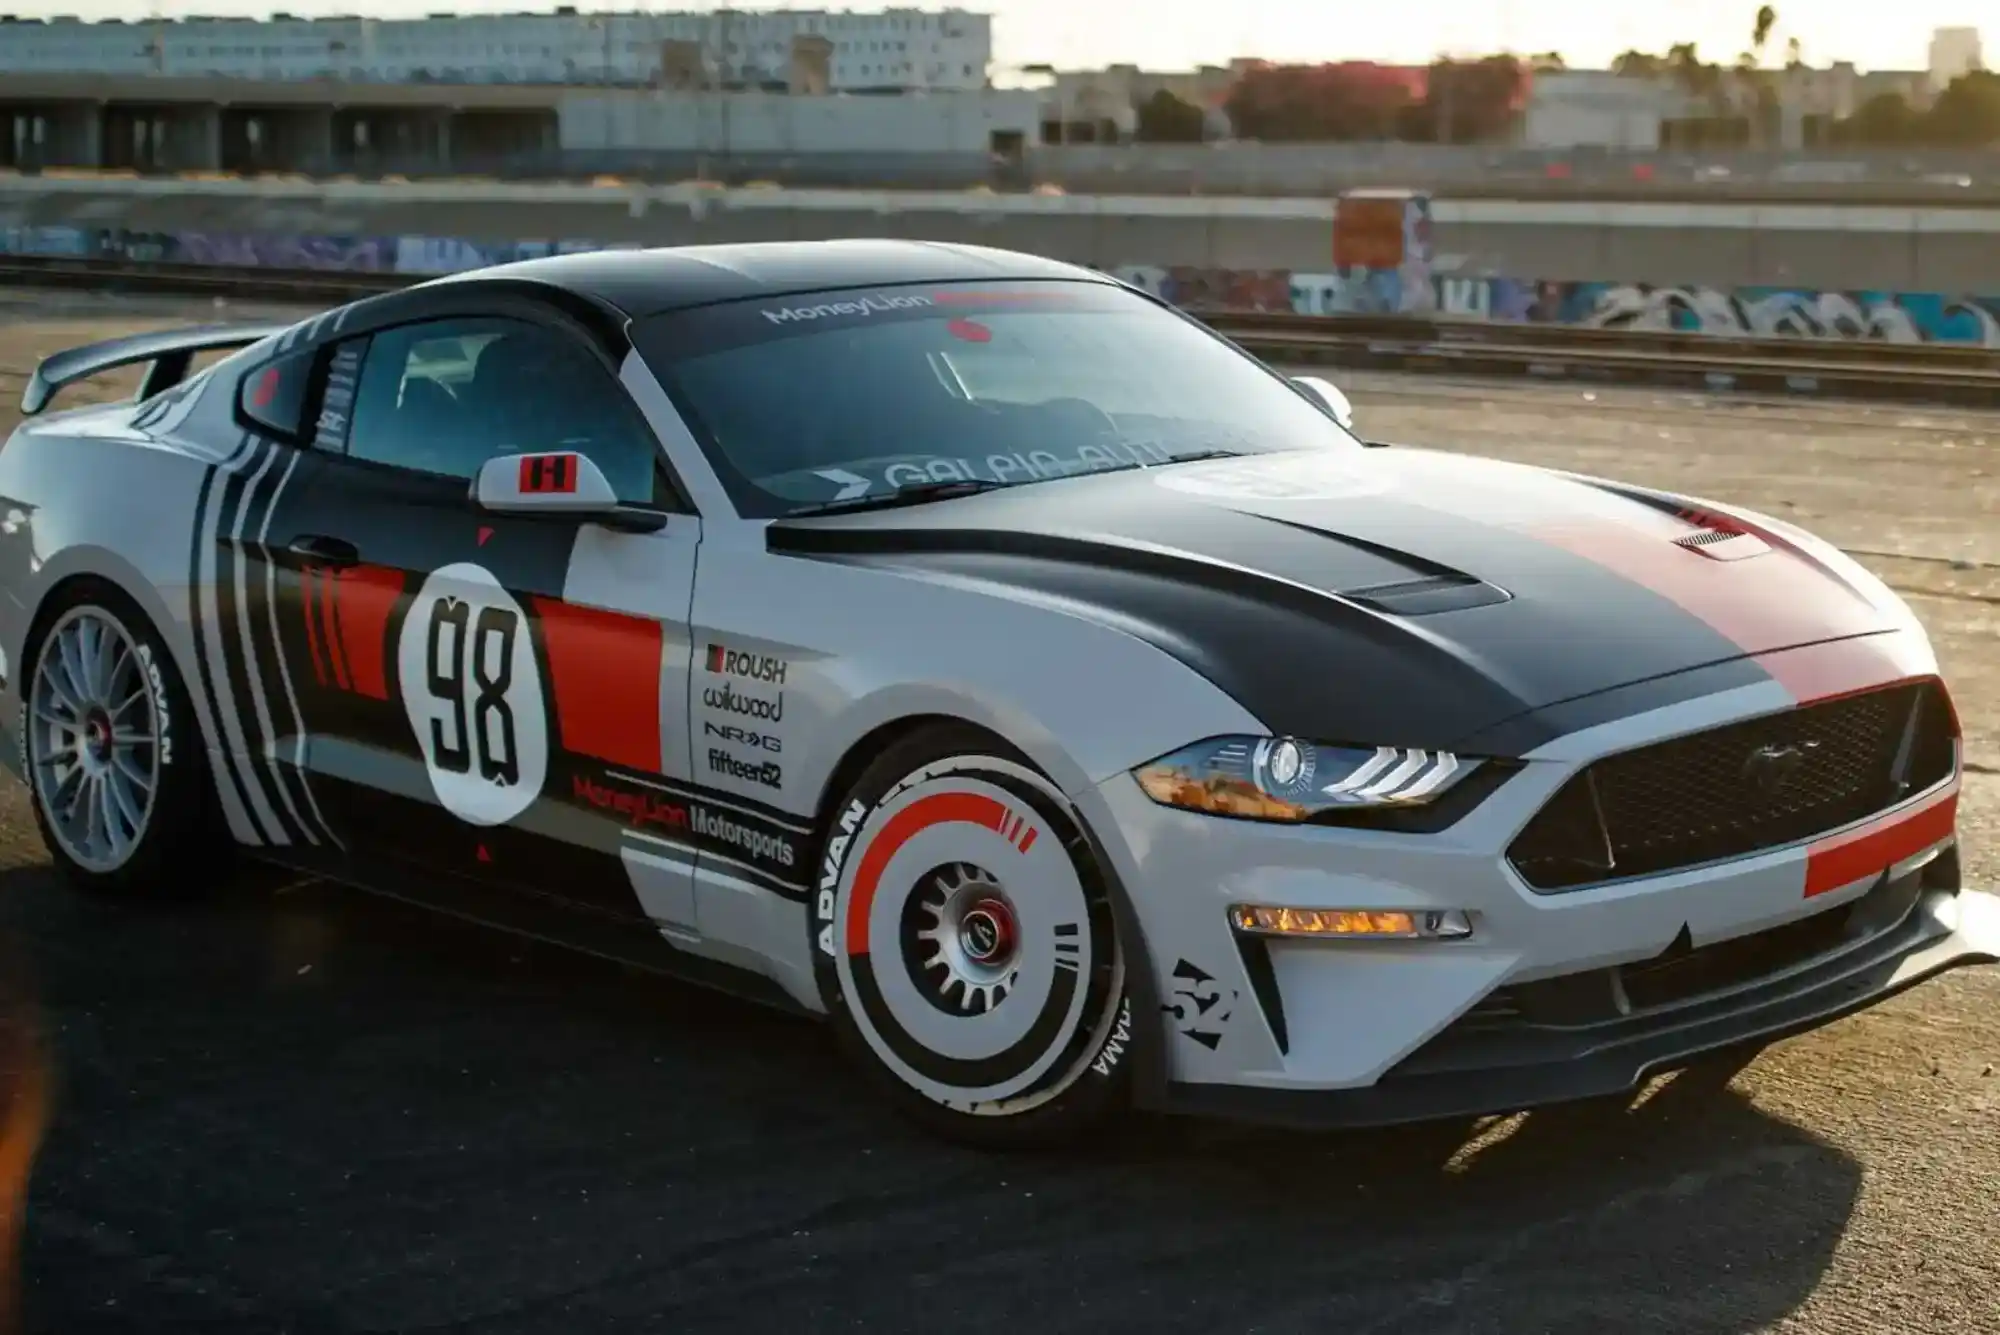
<point>805,659</point>
<point>113,492</point>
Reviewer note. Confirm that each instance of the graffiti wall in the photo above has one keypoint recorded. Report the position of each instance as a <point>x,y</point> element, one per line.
<point>1752,312</point>
<point>1759,312</point>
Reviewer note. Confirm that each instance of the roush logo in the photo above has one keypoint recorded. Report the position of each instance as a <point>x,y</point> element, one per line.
<point>869,305</point>
<point>728,662</point>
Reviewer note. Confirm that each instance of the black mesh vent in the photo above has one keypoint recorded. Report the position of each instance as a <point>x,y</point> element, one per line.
<point>1738,789</point>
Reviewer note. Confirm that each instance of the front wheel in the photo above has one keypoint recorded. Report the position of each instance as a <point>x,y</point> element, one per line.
<point>967,949</point>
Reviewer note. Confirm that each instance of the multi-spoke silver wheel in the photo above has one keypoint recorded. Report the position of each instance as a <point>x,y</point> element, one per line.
<point>93,738</point>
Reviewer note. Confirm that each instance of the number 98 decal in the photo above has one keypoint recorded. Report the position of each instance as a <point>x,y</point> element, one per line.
<point>473,692</point>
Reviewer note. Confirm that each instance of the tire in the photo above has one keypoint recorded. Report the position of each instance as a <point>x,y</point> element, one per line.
<point>966,948</point>
<point>177,843</point>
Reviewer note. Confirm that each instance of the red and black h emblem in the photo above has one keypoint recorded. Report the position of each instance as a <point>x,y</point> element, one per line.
<point>544,473</point>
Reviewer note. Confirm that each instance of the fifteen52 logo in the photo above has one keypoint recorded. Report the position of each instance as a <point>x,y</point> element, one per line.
<point>765,772</point>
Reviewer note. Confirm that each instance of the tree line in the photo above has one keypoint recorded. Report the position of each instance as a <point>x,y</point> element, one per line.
<point>1481,101</point>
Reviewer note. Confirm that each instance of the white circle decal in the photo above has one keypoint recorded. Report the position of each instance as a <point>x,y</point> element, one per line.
<point>1286,477</point>
<point>474,695</point>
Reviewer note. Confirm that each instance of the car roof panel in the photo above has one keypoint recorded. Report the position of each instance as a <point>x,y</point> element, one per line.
<point>652,282</point>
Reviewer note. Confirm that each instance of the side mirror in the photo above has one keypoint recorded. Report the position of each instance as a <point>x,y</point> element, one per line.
<point>1334,401</point>
<point>563,485</point>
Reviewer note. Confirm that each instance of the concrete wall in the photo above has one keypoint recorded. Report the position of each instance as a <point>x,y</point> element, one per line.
<point>1326,169</point>
<point>753,124</point>
<point>1726,246</point>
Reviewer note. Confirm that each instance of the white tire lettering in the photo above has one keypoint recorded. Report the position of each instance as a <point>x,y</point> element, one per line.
<point>156,684</point>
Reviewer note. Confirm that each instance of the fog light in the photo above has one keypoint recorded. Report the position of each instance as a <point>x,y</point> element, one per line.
<point>1353,924</point>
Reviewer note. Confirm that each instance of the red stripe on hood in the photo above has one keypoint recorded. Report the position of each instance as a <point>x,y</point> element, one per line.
<point>1818,672</point>
<point>1771,601</point>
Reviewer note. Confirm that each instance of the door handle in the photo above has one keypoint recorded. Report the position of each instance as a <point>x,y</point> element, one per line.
<point>322,550</point>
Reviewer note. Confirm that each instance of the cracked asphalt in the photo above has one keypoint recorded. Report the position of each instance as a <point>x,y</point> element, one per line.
<point>289,1108</point>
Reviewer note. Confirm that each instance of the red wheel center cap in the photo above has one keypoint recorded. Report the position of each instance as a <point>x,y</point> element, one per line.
<point>987,932</point>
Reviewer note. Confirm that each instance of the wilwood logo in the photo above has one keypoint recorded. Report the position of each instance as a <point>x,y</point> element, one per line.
<point>733,701</point>
<point>727,662</point>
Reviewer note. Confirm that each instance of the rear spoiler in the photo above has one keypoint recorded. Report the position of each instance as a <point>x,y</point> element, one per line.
<point>170,351</point>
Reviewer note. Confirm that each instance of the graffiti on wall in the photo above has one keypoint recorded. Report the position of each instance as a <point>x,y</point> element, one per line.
<point>1759,312</point>
<point>363,254</point>
<point>1771,312</point>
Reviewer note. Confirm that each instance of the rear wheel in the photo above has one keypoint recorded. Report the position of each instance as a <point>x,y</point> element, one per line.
<point>115,766</point>
<point>967,949</point>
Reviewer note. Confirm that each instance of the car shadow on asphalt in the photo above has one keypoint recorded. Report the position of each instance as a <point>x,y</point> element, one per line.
<point>291,1107</point>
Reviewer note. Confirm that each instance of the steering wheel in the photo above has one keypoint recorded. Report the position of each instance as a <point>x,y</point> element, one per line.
<point>1081,411</point>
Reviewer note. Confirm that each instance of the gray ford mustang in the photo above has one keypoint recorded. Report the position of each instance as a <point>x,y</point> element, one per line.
<point>980,654</point>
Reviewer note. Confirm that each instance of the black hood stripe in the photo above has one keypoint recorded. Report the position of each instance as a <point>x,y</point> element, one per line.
<point>1439,598</point>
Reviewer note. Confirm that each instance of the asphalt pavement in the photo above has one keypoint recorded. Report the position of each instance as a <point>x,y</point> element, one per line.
<point>292,1108</point>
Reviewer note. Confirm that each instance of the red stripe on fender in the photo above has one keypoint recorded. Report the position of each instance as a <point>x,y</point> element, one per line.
<point>1761,604</point>
<point>604,672</point>
<point>364,598</point>
<point>1875,847</point>
<point>912,820</point>
<point>328,613</point>
<point>309,592</point>
<point>1820,672</point>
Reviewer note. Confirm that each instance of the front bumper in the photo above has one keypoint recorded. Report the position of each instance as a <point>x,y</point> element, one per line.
<point>1606,982</point>
<point>1899,933</point>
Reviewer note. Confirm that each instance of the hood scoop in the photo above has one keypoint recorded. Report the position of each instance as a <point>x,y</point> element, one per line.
<point>1428,595</point>
<point>1428,587</point>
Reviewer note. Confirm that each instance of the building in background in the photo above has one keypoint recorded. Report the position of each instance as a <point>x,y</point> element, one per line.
<point>894,50</point>
<point>1570,109</point>
<point>1599,109</point>
<point>1954,52</point>
<point>1092,106</point>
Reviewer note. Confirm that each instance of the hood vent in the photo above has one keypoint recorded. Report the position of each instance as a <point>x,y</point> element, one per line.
<point>1718,538</point>
<point>1431,594</point>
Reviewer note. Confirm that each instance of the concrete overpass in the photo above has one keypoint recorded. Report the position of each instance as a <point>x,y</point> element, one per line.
<point>170,124</point>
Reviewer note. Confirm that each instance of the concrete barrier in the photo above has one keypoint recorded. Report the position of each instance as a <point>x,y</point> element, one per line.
<point>1760,311</point>
<point>1822,247</point>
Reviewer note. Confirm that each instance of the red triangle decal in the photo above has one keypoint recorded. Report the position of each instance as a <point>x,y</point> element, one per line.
<point>484,534</point>
<point>484,856</point>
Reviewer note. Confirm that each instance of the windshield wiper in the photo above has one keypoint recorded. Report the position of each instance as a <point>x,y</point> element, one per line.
<point>917,493</point>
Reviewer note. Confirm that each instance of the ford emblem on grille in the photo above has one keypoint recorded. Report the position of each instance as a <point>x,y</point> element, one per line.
<point>1770,769</point>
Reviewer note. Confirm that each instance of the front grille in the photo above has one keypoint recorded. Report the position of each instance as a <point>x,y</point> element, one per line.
<point>1739,789</point>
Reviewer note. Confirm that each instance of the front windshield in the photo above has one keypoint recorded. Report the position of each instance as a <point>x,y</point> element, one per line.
<point>824,397</point>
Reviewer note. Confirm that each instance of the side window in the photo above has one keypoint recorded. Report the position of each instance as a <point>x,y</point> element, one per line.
<point>272,395</point>
<point>445,396</point>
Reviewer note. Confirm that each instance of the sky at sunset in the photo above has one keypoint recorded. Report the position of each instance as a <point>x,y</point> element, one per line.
<point>1181,33</point>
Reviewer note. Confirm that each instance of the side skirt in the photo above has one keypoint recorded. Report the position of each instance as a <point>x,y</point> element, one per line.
<point>543,918</point>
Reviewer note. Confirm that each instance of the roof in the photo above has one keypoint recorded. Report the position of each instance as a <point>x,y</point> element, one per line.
<point>651,282</point>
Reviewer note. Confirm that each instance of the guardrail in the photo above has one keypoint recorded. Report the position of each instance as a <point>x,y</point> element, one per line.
<point>1923,373</point>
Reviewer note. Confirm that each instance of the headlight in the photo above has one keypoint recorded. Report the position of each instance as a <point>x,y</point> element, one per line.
<point>1285,779</point>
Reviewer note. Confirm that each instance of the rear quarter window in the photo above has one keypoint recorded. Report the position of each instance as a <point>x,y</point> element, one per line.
<point>271,397</point>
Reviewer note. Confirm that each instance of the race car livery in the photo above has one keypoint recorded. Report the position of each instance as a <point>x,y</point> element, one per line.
<point>982,655</point>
